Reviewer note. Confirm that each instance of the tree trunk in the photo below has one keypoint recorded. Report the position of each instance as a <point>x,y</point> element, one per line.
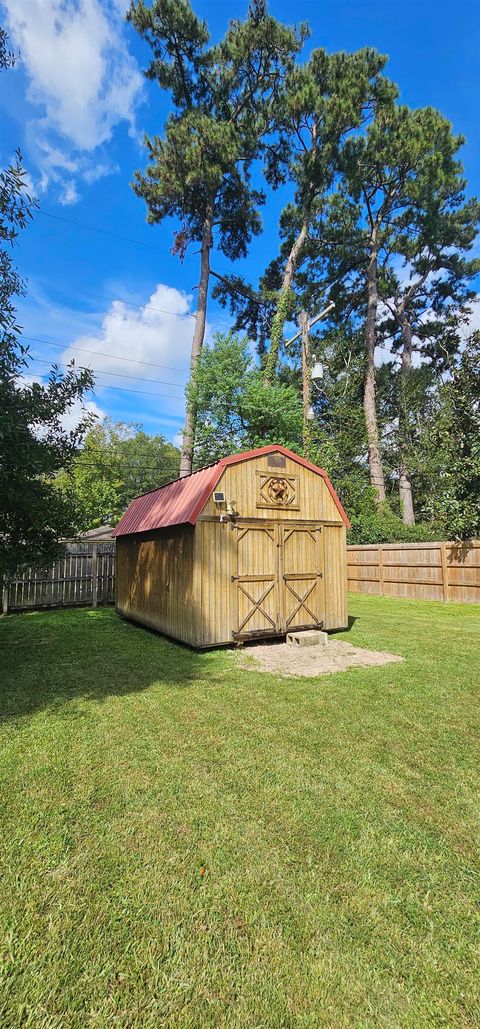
<point>306,382</point>
<point>188,442</point>
<point>369,402</point>
<point>280,316</point>
<point>405,485</point>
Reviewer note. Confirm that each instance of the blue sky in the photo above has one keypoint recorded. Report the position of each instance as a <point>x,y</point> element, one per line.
<point>77,105</point>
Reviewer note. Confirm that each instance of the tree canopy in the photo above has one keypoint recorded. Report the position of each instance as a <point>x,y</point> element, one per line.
<point>117,461</point>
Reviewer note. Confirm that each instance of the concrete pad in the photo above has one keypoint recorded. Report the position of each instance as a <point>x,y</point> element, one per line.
<point>279,659</point>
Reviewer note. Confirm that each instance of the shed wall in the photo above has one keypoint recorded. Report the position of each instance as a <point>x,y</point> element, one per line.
<point>155,582</point>
<point>216,561</point>
<point>239,482</point>
<point>335,563</point>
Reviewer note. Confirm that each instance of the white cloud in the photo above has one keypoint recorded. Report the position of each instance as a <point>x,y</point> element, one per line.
<point>159,333</point>
<point>77,409</point>
<point>69,195</point>
<point>80,74</point>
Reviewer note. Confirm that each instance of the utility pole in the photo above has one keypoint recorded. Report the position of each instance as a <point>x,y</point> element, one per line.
<point>304,329</point>
<point>306,382</point>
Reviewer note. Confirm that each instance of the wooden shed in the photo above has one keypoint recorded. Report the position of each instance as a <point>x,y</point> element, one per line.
<point>252,546</point>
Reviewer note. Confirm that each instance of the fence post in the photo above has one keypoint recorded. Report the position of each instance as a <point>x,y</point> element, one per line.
<point>94,574</point>
<point>443,554</point>
<point>380,568</point>
<point>5,597</point>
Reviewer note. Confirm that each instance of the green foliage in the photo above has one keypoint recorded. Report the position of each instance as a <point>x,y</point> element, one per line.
<point>453,447</point>
<point>244,412</point>
<point>380,525</point>
<point>225,102</point>
<point>117,461</point>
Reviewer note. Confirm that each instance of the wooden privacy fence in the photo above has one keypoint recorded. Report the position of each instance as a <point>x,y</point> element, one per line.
<point>84,574</point>
<point>421,571</point>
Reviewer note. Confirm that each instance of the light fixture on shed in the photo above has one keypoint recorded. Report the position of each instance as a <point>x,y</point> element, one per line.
<point>310,414</point>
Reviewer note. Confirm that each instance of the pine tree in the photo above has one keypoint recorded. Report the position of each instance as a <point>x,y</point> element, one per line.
<point>324,102</point>
<point>429,302</point>
<point>225,106</point>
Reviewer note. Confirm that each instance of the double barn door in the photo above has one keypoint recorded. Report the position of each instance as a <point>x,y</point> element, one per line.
<point>279,580</point>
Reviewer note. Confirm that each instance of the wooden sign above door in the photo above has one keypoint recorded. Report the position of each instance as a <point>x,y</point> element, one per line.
<point>277,491</point>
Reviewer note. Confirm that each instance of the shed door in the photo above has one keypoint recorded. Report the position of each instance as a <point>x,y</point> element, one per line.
<point>257,581</point>
<point>302,578</point>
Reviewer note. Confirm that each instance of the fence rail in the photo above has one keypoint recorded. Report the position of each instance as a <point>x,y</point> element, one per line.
<point>421,571</point>
<point>83,575</point>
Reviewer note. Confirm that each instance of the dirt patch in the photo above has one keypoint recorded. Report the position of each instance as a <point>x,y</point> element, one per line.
<point>310,661</point>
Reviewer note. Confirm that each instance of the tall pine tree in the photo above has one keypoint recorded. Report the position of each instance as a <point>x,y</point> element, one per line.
<point>225,106</point>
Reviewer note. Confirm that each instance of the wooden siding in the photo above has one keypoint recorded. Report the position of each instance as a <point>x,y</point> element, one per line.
<point>155,582</point>
<point>239,482</point>
<point>215,563</point>
<point>335,565</point>
<point>421,571</point>
<point>249,552</point>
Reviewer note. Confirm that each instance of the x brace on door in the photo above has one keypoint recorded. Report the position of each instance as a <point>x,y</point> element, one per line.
<point>256,605</point>
<point>301,600</point>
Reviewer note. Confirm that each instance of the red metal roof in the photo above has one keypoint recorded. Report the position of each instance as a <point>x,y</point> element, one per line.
<point>181,502</point>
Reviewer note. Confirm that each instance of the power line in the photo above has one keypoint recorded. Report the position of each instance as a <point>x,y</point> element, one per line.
<point>120,375</point>
<point>103,232</point>
<point>131,467</point>
<point>140,392</point>
<point>149,307</point>
<point>141,307</point>
<point>97,353</point>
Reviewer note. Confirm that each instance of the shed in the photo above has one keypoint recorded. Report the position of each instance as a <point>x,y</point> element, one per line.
<point>251,546</point>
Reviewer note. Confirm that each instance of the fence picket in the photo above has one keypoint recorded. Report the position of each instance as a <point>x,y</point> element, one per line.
<point>420,571</point>
<point>84,575</point>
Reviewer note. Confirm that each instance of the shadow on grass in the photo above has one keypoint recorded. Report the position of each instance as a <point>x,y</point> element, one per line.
<point>51,658</point>
<point>351,623</point>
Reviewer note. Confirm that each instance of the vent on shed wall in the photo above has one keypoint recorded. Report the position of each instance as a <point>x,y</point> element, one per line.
<point>276,461</point>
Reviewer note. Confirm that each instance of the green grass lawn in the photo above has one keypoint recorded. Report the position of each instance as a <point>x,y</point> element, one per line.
<point>185,844</point>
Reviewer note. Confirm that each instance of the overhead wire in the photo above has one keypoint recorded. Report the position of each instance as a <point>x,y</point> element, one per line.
<point>103,232</point>
<point>98,353</point>
<point>101,371</point>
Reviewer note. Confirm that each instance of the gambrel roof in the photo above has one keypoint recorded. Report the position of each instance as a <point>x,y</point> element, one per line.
<point>180,502</point>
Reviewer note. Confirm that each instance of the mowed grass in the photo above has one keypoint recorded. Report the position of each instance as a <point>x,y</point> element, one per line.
<point>187,844</point>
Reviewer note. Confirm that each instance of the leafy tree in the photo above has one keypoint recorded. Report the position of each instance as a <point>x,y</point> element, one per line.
<point>393,178</point>
<point>7,57</point>
<point>452,446</point>
<point>117,461</point>
<point>225,100</point>
<point>324,102</point>
<point>244,413</point>
<point>33,444</point>
<point>428,303</point>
